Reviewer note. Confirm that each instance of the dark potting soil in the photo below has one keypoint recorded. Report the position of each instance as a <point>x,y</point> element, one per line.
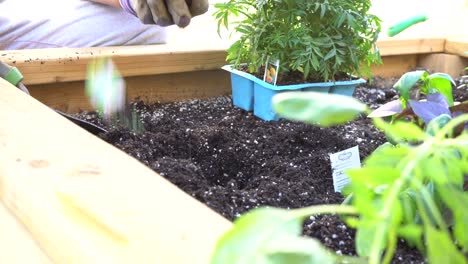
<point>233,162</point>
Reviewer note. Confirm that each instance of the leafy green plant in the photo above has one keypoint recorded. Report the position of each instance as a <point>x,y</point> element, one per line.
<point>436,87</point>
<point>402,191</point>
<point>318,38</point>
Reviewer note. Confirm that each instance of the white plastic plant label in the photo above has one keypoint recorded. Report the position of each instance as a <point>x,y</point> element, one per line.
<point>271,71</point>
<point>340,162</point>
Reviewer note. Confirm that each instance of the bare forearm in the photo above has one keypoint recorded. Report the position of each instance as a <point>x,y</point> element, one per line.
<point>107,2</point>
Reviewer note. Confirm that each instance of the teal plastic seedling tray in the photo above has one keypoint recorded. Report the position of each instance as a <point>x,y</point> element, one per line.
<point>252,94</point>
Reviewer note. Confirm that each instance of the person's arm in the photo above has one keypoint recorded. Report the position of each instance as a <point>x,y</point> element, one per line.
<point>161,12</point>
<point>115,3</point>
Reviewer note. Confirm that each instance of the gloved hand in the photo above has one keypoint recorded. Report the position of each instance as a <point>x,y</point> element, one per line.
<point>167,12</point>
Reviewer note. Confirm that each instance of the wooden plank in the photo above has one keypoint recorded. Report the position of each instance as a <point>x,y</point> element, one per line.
<point>446,63</point>
<point>394,66</point>
<point>84,201</point>
<point>457,46</point>
<point>392,47</point>
<point>70,97</point>
<point>16,244</point>
<point>66,64</point>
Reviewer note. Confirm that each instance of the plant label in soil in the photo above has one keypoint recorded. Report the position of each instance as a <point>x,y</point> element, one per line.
<point>340,162</point>
<point>271,71</point>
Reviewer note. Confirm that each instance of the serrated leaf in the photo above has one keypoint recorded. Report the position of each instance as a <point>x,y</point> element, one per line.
<point>317,108</point>
<point>441,249</point>
<point>407,81</point>
<point>323,9</point>
<point>330,54</point>
<point>388,109</point>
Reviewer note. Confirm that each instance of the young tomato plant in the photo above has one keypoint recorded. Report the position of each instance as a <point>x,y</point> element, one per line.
<point>402,191</point>
<point>318,38</point>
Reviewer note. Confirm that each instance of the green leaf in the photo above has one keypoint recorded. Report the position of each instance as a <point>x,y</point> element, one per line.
<point>412,233</point>
<point>365,239</point>
<point>433,168</point>
<point>317,108</point>
<point>374,176</point>
<point>441,249</point>
<point>436,124</point>
<point>441,83</point>
<point>298,250</point>
<point>246,241</point>
<point>330,54</point>
<point>407,81</point>
<point>387,157</point>
<point>456,200</point>
<point>323,9</point>
<point>453,166</point>
<point>408,205</point>
<point>401,131</point>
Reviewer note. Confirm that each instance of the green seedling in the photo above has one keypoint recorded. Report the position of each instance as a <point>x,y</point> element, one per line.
<point>402,191</point>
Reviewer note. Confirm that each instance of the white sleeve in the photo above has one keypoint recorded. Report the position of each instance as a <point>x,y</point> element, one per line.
<point>71,23</point>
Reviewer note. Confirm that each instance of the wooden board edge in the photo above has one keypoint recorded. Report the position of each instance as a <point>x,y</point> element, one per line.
<point>66,65</point>
<point>70,97</point>
<point>395,47</point>
<point>84,201</point>
<point>450,64</point>
<point>457,46</point>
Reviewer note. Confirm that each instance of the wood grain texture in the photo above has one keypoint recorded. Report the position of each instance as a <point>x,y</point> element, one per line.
<point>442,62</point>
<point>69,97</point>
<point>16,244</point>
<point>457,46</point>
<point>394,66</point>
<point>84,201</point>
<point>392,47</point>
<point>66,65</point>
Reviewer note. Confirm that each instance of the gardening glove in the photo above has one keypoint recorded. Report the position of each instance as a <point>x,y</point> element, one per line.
<point>166,12</point>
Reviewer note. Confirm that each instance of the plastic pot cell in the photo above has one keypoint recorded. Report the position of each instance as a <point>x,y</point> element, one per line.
<point>253,94</point>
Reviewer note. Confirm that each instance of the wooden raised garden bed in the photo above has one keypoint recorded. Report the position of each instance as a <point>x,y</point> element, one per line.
<point>69,197</point>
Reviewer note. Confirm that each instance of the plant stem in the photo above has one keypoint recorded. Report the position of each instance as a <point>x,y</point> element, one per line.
<point>430,203</point>
<point>324,209</point>
<point>379,238</point>
<point>390,250</point>
<point>450,127</point>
